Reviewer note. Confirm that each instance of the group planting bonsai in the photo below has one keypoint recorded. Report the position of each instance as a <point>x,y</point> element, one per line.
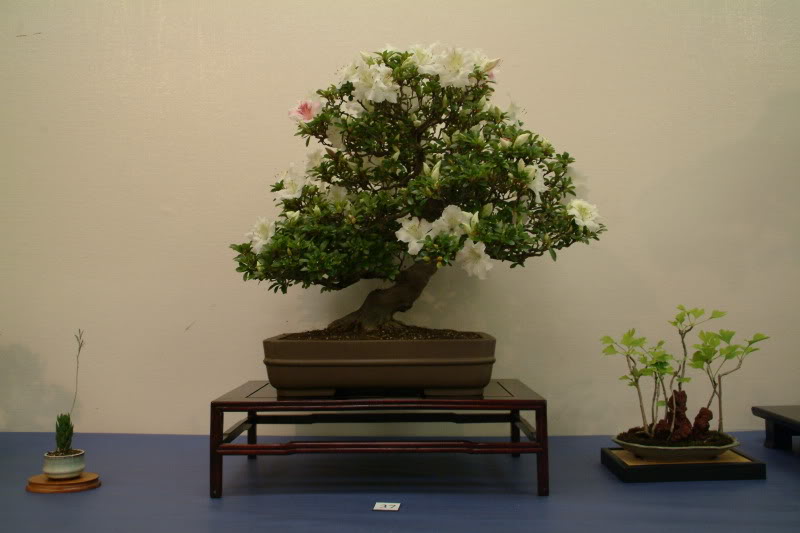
<point>412,169</point>
<point>663,406</point>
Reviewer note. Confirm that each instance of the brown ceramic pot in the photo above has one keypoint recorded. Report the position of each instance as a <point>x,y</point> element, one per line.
<point>322,367</point>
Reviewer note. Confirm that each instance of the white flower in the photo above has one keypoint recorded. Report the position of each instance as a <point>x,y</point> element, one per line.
<point>411,97</point>
<point>488,66</point>
<point>585,214</point>
<point>336,194</point>
<point>353,108</point>
<point>347,72</point>
<point>453,220</point>
<point>537,184</point>
<point>522,139</point>
<point>472,257</point>
<point>334,136</point>
<point>314,158</point>
<point>373,82</point>
<point>424,59</point>
<point>291,216</point>
<point>261,233</point>
<point>413,231</point>
<point>454,67</point>
<point>293,183</point>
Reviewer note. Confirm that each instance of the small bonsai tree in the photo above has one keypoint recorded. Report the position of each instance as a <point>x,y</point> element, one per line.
<point>713,352</point>
<point>656,363</point>
<point>64,428</point>
<point>416,170</point>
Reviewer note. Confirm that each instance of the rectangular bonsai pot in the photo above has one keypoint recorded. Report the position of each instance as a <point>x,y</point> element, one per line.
<point>449,367</point>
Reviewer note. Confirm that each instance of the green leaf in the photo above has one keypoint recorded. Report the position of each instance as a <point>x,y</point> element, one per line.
<point>661,403</point>
<point>726,335</point>
<point>638,343</point>
<point>626,377</point>
<point>606,340</point>
<point>758,337</point>
<point>684,380</point>
<point>552,254</point>
<point>718,314</point>
<point>610,350</point>
<point>627,338</point>
<point>731,352</point>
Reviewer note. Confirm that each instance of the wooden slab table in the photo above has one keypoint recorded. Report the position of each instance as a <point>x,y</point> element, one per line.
<point>781,423</point>
<point>502,402</point>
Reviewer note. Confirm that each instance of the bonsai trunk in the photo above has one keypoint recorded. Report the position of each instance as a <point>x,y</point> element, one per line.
<point>380,305</point>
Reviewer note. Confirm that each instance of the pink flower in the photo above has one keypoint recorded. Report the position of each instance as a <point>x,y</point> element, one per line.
<point>305,110</point>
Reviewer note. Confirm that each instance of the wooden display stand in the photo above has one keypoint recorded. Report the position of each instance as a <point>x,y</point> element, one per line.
<point>43,485</point>
<point>781,422</point>
<point>731,465</point>
<point>503,398</point>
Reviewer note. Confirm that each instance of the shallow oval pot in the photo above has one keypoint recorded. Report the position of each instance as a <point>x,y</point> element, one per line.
<point>321,367</point>
<point>64,466</point>
<point>677,452</point>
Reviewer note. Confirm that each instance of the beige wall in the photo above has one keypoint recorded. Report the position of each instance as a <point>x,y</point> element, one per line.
<point>139,140</point>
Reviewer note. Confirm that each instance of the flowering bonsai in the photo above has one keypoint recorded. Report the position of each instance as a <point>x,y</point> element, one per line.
<point>716,355</point>
<point>412,169</point>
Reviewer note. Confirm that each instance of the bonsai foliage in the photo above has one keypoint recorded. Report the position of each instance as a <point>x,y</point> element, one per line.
<point>711,354</point>
<point>64,428</point>
<point>64,431</point>
<point>643,362</point>
<point>412,169</point>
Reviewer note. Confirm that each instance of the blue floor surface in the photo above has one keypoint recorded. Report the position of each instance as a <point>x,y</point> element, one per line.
<point>159,483</point>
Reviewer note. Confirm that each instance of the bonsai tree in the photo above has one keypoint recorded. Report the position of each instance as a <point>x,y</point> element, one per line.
<point>711,354</point>
<point>64,427</point>
<point>413,170</point>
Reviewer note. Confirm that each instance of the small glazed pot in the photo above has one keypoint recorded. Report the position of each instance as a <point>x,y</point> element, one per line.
<point>64,466</point>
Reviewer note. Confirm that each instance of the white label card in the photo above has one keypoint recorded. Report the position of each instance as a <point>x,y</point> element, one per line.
<point>383,506</point>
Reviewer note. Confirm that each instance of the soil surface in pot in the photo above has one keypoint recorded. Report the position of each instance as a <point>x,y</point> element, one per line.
<point>62,453</point>
<point>637,436</point>
<point>393,333</point>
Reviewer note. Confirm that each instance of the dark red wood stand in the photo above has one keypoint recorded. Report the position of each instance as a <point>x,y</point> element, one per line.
<point>261,403</point>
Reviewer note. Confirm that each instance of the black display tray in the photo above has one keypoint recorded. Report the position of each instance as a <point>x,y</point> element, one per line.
<point>733,464</point>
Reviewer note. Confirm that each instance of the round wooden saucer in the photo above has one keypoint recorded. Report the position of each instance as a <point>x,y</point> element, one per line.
<point>43,485</point>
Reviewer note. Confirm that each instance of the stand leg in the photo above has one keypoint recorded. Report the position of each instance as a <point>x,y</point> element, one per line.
<point>542,468</point>
<point>778,437</point>
<point>215,463</point>
<point>252,432</point>
<point>514,428</point>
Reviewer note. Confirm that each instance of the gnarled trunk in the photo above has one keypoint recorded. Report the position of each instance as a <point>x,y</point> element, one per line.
<point>380,305</point>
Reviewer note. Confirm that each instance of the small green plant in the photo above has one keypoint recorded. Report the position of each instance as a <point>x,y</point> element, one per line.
<point>64,427</point>
<point>668,373</point>
<point>63,433</point>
